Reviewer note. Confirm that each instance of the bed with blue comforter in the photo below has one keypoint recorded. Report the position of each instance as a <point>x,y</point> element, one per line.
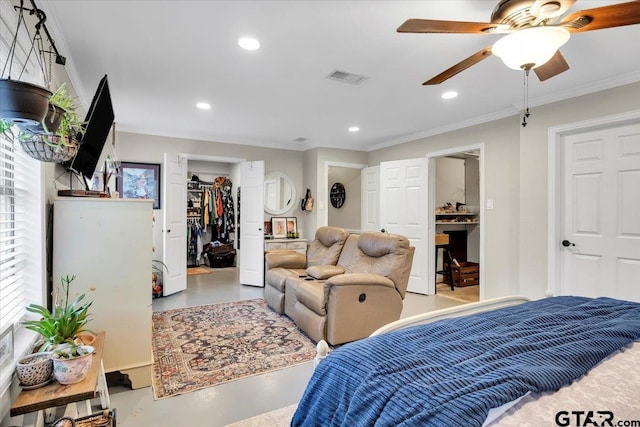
<point>452,372</point>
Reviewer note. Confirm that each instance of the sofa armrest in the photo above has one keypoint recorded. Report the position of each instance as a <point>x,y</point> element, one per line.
<point>323,272</point>
<point>285,259</point>
<point>351,279</point>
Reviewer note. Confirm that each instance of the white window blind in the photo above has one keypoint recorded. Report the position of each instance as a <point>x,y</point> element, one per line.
<point>21,195</point>
<point>22,213</point>
<point>12,243</point>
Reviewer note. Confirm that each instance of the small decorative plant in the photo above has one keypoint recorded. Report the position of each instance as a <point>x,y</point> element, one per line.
<point>64,322</point>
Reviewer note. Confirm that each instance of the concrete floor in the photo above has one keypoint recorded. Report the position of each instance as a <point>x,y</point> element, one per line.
<point>236,400</point>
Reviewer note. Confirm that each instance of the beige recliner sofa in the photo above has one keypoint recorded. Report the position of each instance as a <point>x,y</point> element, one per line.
<point>282,265</point>
<point>345,288</point>
<point>369,293</point>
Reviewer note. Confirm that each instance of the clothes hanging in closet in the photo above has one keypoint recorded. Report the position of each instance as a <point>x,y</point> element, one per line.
<point>194,241</point>
<point>218,209</point>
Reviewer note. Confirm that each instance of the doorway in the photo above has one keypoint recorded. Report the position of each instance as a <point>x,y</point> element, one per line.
<point>456,189</point>
<point>176,213</point>
<point>343,207</point>
<point>348,214</point>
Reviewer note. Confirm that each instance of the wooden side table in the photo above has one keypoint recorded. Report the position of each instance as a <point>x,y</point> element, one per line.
<point>46,399</point>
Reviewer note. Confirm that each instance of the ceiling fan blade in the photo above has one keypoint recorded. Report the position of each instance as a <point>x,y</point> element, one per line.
<point>460,66</point>
<point>435,26</point>
<point>615,15</point>
<point>556,65</point>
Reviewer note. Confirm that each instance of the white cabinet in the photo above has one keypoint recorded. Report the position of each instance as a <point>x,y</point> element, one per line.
<point>107,245</point>
<point>298,245</point>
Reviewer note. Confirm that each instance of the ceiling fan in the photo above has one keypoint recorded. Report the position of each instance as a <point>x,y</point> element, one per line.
<point>535,29</point>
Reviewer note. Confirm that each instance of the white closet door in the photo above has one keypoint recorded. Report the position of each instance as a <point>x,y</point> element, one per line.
<point>370,202</point>
<point>252,223</point>
<point>174,230</point>
<point>403,210</point>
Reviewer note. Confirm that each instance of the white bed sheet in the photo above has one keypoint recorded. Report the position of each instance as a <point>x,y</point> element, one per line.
<point>612,385</point>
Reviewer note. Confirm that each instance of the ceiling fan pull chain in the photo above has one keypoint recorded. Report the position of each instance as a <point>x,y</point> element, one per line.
<point>525,85</point>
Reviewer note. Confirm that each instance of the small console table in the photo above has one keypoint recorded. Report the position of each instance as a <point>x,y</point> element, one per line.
<point>45,399</point>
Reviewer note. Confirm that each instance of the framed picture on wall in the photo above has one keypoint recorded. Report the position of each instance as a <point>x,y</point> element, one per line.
<point>279,227</point>
<point>140,181</point>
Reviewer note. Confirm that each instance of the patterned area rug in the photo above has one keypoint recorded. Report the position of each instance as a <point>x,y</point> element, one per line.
<point>199,347</point>
<point>192,271</point>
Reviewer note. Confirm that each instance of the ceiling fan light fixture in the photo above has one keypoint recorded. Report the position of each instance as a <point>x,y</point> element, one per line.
<point>449,94</point>
<point>531,47</point>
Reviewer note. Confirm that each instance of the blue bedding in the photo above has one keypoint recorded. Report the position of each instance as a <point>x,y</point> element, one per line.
<point>452,372</point>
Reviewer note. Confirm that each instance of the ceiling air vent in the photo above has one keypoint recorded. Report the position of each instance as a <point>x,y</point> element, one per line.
<point>301,139</point>
<point>343,76</point>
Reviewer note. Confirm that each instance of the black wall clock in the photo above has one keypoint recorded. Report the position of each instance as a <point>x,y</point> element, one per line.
<point>337,195</point>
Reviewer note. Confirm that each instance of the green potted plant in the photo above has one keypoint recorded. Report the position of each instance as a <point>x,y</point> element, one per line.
<point>64,322</point>
<point>60,329</point>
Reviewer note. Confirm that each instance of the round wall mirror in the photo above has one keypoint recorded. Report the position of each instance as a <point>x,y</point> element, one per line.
<point>279,193</point>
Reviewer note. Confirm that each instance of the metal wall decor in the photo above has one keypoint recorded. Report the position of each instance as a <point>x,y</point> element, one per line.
<point>337,195</point>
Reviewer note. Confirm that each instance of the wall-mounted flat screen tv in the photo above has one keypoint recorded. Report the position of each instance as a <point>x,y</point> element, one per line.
<point>99,120</point>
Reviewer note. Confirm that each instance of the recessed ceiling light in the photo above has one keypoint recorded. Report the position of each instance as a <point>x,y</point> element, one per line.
<point>354,129</point>
<point>449,95</point>
<point>203,106</point>
<point>249,43</point>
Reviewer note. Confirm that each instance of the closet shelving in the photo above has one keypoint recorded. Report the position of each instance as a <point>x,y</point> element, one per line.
<point>456,218</point>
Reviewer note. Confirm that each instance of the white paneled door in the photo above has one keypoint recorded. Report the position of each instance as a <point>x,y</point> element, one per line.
<point>370,202</point>
<point>403,210</point>
<point>252,223</point>
<point>174,230</point>
<point>601,204</point>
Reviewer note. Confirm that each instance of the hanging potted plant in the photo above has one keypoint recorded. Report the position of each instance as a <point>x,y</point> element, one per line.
<point>59,103</point>
<point>23,103</point>
<point>59,146</point>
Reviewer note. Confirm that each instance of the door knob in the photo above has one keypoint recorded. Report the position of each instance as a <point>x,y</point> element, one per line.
<point>567,243</point>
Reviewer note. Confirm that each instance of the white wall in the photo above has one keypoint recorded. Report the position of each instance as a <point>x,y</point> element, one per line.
<point>533,172</point>
<point>501,182</point>
<point>516,181</point>
<point>450,179</point>
<point>315,162</point>
<point>516,178</point>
